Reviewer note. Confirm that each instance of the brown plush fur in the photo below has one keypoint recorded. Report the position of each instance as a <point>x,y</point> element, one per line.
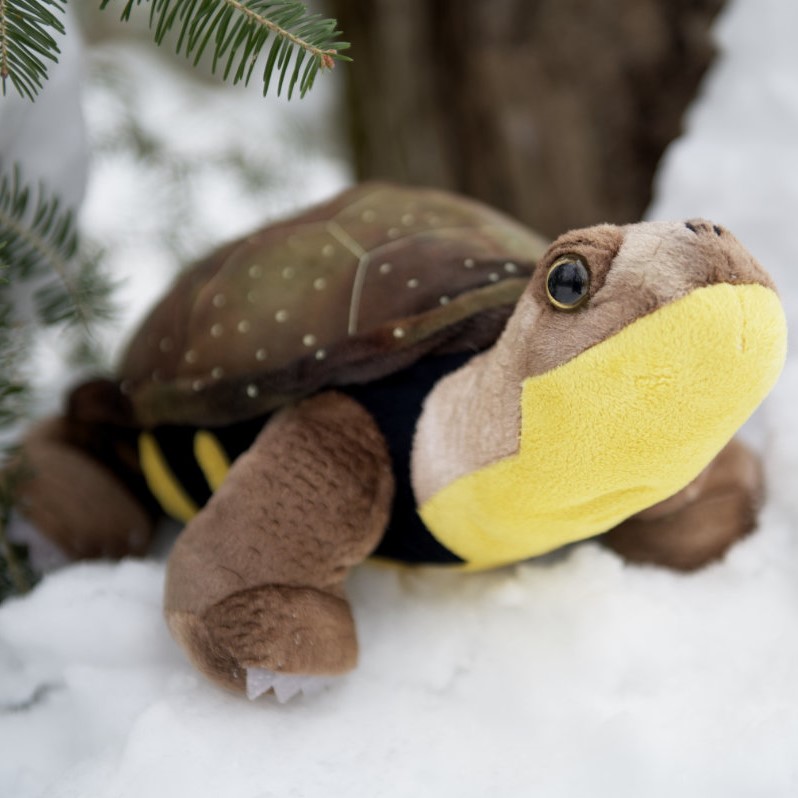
<point>256,578</point>
<point>705,524</point>
<point>74,499</point>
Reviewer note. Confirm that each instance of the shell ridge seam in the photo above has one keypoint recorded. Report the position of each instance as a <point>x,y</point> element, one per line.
<point>340,235</point>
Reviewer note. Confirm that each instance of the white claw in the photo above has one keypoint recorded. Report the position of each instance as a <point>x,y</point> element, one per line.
<point>284,685</point>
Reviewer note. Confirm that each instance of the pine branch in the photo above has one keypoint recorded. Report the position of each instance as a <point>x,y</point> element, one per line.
<point>16,575</point>
<point>302,43</point>
<point>39,252</point>
<point>26,43</point>
<point>14,391</point>
<point>38,238</point>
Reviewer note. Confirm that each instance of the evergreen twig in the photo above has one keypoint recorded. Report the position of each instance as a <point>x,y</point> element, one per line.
<point>39,257</point>
<point>16,575</point>
<point>26,42</point>
<point>241,29</point>
<point>38,238</point>
<point>14,390</point>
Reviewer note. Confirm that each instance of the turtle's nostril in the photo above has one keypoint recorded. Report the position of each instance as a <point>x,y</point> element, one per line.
<point>699,226</point>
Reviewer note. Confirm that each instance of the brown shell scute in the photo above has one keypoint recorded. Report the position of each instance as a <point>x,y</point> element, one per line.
<point>377,265</point>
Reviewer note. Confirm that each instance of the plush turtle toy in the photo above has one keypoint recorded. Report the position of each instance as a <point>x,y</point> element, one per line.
<point>406,372</point>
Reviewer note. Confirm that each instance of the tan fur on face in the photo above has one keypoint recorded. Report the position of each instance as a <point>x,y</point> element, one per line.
<point>652,264</point>
<point>472,418</point>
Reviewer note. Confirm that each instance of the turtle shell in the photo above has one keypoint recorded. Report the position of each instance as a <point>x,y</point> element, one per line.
<point>349,291</point>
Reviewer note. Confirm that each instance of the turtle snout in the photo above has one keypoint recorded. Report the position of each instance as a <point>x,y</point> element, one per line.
<point>725,259</point>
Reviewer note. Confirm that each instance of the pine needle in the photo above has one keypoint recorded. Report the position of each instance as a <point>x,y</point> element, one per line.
<point>239,30</point>
<point>38,239</point>
<point>27,43</point>
<point>16,575</point>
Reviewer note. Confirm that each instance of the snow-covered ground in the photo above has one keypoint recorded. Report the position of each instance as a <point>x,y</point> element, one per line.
<point>575,676</point>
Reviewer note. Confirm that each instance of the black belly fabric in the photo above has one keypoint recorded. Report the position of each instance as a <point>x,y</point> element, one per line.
<point>395,402</point>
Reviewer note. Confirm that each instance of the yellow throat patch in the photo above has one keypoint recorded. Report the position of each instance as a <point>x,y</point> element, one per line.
<point>619,428</point>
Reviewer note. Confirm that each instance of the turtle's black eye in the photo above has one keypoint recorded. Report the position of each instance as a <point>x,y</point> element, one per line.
<point>567,282</point>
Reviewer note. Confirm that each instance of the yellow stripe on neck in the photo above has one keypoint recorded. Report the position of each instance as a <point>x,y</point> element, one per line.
<point>162,482</point>
<point>212,458</point>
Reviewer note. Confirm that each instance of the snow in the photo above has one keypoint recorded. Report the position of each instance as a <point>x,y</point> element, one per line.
<point>571,676</point>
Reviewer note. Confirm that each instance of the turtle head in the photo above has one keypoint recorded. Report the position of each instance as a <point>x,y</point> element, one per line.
<point>591,284</point>
<point>640,351</point>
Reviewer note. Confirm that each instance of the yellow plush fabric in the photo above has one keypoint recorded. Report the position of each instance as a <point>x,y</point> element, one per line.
<point>162,482</point>
<point>212,458</point>
<point>167,487</point>
<point>624,425</point>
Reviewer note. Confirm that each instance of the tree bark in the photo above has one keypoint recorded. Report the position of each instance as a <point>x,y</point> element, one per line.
<point>556,111</point>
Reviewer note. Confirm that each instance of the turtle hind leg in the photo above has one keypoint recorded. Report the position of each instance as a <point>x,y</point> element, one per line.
<point>255,581</point>
<point>71,500</point>
<point>700,523</point>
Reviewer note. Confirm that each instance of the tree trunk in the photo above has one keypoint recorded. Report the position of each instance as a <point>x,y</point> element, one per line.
<point>555,110</point>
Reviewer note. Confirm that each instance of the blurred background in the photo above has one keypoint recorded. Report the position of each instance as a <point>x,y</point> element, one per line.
<point>556,111</point>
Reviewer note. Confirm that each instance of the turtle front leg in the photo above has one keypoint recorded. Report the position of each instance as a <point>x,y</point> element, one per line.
<point>699,523</point>
<point>254,585</point>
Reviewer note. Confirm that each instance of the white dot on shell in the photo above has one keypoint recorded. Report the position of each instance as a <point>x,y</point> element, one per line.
<point>261,354</point>
<point>252,297</point>
<point>217,330</point>
<point>412,282</point>
<point>288,272</point>
<point>493,277</point>
<point>219,301</point>
<point>321,354</point>
<point>444,300</point>
<point>394,232</point>
<point>328,250</point>
<point>510,267</point>
<point>309,340</point>
<point>252,391</point>
<point>255,271</point>
<point>319,283</point>
<point>244,326</point>
<point>468,263</point>
<point>197,385</point>
<point>190,356</point>
<point>217,372</point>
<point>398,332</point>
<point>165,345</point>
<point>408,219</point>
<point>368,216</point>
<point>385,268</point>
<point>281,315</point>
